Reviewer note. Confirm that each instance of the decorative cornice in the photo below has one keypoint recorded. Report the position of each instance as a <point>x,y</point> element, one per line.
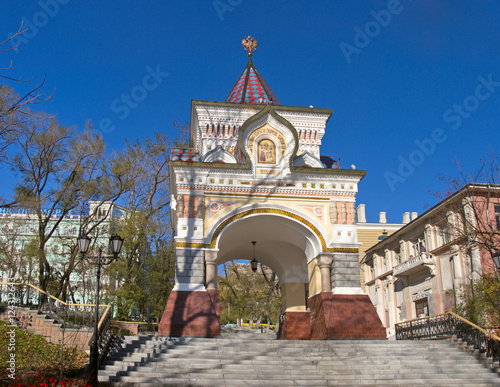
<point>304,113</point>
<point>209,167</point>
<point>281,108</point>
<point>267,195</point>
<point>296,172</point>
<point>271,191</point>
<point>346,173</point>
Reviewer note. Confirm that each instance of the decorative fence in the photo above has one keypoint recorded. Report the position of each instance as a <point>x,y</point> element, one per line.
<point>448,325</point>
<point>76,316</point>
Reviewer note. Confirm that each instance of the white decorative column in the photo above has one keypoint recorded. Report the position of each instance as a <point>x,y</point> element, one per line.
<point>211,269</point>
<point>429,237</point>
<point>387,260</point>
<point>361,213</point>
<point>379,300</point>
<point>457,267</point>
<point>391,304</point>
<point>475,255</point>
<point>325,265</point>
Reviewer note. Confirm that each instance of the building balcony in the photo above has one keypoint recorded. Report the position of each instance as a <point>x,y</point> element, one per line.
<point>416,264</point>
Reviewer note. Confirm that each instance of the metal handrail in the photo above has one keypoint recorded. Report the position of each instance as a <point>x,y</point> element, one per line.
<point>447,325</point>
<point>103,324</point>
<point>455,315</point>
<point>106,311</point>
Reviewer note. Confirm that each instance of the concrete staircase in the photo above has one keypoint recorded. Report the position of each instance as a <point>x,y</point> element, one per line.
<point>41,324</point>
<point>148,361</point>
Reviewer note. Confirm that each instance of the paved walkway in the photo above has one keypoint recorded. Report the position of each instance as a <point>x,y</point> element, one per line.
<point>247,333</point>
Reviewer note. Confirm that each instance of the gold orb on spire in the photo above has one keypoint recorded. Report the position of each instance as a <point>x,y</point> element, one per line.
<point>250,44</point>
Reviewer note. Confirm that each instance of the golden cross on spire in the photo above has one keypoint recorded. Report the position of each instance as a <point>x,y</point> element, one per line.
<point>250,44</point>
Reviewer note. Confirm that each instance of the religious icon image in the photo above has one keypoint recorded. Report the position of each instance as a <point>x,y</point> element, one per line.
<point>267,152</point>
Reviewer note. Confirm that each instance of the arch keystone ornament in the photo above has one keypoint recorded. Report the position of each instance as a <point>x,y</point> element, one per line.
<point>271,195</point>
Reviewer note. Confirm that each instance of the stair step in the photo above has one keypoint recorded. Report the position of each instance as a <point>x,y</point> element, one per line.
<point>157,360</point>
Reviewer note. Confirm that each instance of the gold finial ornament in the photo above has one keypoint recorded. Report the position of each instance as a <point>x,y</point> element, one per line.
<point>250,44</point>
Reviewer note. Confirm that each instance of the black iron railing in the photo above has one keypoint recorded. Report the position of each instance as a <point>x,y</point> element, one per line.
<point>449,325</point>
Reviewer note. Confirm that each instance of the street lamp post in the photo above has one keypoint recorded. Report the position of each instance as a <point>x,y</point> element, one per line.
<point>115,243</point>
<point>496,260</point>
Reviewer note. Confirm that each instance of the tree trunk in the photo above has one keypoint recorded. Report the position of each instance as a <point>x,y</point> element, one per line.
<point>259,321</point>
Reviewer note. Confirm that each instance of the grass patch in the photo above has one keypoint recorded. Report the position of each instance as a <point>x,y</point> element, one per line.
<point>35,357</point>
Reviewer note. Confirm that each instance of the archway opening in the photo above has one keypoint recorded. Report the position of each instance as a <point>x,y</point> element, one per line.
<point>284,247</point>
<point>249,298</point>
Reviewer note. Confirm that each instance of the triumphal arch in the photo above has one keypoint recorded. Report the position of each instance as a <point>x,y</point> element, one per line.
<point>254,172</point>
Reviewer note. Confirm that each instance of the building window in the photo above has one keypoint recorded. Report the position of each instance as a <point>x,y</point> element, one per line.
<point>422,308</point>
<point>397,256</point>
<point>418,245</point>
<point>443,233</point>
<point>497,215</point>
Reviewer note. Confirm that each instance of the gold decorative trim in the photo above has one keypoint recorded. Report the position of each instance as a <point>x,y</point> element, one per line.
<point>342,250</point>
<point>188,245</point>
<point>288,214</point>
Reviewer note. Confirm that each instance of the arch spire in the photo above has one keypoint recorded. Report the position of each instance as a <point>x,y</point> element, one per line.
<point>251,86</point>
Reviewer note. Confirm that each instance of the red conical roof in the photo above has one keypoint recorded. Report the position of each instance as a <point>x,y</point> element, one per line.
<point>252,88</point>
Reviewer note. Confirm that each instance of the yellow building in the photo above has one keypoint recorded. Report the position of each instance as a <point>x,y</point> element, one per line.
<point>369,234</point>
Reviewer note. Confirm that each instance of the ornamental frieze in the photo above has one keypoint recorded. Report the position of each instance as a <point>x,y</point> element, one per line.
<point>317,211</point>
<point>190,206</point>
<point>216,207</point>
<point>273,191</point>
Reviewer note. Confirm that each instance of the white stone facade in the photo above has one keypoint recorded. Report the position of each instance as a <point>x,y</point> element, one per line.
<point>224,183</point>
<point>418,271</point>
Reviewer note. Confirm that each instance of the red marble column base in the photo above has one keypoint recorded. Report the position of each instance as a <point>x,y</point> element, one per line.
<point>296,326</point>
<point>191,313</point>
<point>344,316</point>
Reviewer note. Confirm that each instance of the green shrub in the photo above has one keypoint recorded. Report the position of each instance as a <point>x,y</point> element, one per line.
<point>35,356</point>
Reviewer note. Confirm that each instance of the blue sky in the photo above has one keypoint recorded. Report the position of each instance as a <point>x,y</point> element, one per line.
<point>413,85</point>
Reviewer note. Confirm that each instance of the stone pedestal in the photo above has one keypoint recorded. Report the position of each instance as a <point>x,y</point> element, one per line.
<point>344,316</point>
<point>296,326</point>
<point>191,313</point>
